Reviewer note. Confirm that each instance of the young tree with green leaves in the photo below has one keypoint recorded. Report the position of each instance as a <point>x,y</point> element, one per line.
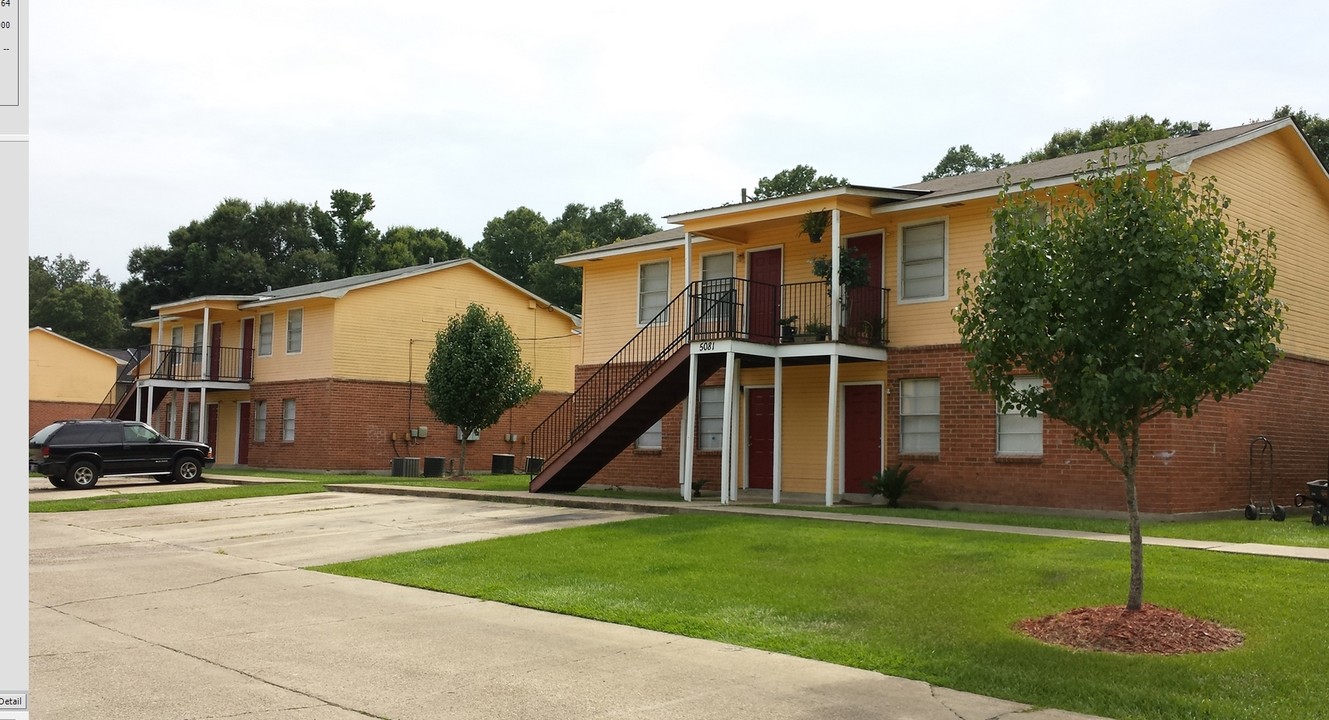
<point>795,180</point>
<point>476,373</point>
<point>1135,297</point>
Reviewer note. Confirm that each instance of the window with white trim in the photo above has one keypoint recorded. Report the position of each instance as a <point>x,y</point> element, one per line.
<point>717,287</point>
<point>710,418</point>
<point>265,334</point>
<point>176,357</point>
<point>198,343</point>
<point>288,420</point>
<point>1019,434</point>
<point>295,330</point>
<point>923,261</point>
<point>653,438</point>
<point>260,421</point>
<point>652,291</point>
<point>920,415</point>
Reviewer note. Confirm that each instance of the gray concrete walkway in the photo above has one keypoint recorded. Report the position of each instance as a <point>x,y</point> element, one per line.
<point>203,611</point>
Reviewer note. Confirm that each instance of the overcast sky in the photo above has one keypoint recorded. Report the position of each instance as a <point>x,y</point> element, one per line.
<point>145,114</point>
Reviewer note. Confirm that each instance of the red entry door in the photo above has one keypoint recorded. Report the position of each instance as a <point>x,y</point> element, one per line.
<point>765,273</point>
<point>862,436</point>
<point>214,352</point>
<point>761,438</point>
<point>247,349</point>
<point>242,443</point>
<point>865,308</point>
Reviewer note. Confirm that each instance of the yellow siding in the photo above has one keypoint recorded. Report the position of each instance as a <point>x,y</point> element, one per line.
<point>1271,186</point>
<point>61,370</point>
<point>315,357</point>
<point>386,332</point>
<point>803,403</point>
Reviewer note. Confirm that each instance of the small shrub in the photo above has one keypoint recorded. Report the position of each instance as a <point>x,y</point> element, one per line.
<point>892,483</point>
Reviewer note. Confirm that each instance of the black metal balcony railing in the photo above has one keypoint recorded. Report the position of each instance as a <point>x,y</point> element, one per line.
<point>724,308</point>
<point>185,364</point>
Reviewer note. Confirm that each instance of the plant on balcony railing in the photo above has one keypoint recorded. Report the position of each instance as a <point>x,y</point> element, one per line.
<point>853,269</point>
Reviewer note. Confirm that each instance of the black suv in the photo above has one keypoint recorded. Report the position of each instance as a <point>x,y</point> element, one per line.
<point>76,453</point>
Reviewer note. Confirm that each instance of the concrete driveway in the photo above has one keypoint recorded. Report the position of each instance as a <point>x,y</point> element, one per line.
<point>202,611</point>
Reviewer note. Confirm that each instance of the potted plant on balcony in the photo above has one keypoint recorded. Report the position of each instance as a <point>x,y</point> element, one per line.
<point>819,331</point>
<point>814,224</point>
<point>787,329</point>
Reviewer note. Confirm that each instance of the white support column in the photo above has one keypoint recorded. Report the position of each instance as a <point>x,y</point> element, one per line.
<point>836,288</point>
<point>736,444</point>
<point>727,431</point>
<point>687,278</point>
<point>205,371</point>
<point>832,416</point>
<point>138,407</point>
<point>689,429</point>
<point>182,415</point>
<point>778,452</point>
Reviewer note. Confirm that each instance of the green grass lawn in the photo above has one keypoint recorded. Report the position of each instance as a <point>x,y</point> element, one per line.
<point>934,605</point>
<point>129,500</point>
<point>1296,530</point>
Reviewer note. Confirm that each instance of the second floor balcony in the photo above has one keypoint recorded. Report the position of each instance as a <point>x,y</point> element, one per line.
<point>738,309</point>
<point>187,364</point>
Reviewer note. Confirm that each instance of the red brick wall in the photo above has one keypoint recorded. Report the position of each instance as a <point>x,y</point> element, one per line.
<point>1186,465</point>
<point>43,412</point>
<point>345,425</point>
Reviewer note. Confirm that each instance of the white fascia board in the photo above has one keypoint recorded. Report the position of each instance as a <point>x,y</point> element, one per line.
<point>854,190</point>
<point>611,251</point>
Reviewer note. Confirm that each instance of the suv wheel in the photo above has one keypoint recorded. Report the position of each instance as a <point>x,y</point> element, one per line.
<point>187,469</point>
<point>81,475</point>
<point>57,481</point>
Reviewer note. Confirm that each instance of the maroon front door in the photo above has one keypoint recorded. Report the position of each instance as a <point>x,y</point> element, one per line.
<point>765,274</point>
<point>214,352</point>
<point>247,349</point>
<point>761,438</point>
<point>212,427</point>
<point>242,443</point>
<point>865,308</point>
<point>862,436</point>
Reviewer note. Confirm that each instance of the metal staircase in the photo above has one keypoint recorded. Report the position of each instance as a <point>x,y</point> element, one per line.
<point>637,386</point>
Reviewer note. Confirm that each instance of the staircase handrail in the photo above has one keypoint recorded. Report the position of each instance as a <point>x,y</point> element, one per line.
<point>625,356</point>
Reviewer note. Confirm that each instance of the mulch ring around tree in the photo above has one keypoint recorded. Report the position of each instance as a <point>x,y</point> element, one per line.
<point>1151,630</point>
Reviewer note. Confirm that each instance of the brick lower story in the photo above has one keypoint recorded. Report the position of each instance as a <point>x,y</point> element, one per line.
<point>1200,464</point>
<point>358,426</point>
<point>42,413</point>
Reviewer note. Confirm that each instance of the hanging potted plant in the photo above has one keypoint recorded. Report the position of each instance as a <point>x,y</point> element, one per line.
<point>814,224</point>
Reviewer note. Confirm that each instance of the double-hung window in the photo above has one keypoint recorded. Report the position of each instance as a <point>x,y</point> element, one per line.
<point>653,438</point>
<point>265,334</point>
<point>260,421</point>
<point>1019,434</point>
<point>923,261</point>
<point>652,291</point>
<point>710,418</point>
<point>920,415</point>
<point>288,420</point>
<point>295,330</point>
<point>717,290</point>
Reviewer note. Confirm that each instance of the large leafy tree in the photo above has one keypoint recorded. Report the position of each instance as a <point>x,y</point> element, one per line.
<point>344,232</point>
<point>965,159</point>
<point>68,298</point>
<point>1109,133</point>
<point>522,245</point>
<point>403,246</point>
<point>795,180</point>
<point>1136,297</point>
<point>476,373</point>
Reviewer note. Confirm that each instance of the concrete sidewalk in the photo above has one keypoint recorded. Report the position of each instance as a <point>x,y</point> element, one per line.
<point>671,507</point>
<point>202,611</point>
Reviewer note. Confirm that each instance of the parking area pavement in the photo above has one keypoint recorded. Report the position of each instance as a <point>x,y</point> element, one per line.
<point>203,611</point>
